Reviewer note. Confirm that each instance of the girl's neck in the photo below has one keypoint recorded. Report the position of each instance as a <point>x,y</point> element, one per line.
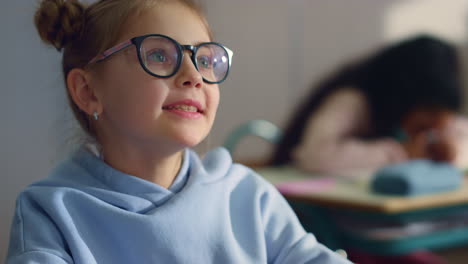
<point>151,166</point>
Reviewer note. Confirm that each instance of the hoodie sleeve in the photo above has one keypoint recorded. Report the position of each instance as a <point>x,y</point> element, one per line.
<point>35,257</point>
<point>34,237</point>
<point>286,239</point>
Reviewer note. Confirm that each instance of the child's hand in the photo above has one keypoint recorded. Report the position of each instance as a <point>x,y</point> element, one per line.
<point>416,146</point>
<point>441,147</point>
<point>394,150</point>
<point>430,134</point>
<point>434,144</point>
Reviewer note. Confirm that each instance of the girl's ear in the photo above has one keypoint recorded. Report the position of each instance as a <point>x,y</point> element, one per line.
<point>82,93</point>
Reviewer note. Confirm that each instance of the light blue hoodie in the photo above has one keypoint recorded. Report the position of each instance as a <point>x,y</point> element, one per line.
<point>215,212</point>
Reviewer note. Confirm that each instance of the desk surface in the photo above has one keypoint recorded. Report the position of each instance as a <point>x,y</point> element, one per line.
<point>354,192</point>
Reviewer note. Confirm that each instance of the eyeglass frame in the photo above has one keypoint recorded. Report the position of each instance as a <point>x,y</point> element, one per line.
<point>137,41</point>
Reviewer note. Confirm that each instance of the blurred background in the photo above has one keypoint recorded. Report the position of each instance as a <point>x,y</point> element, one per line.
<point>280,46</point>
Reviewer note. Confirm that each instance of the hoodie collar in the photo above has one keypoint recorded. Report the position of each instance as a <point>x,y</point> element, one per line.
<point>121,182</point>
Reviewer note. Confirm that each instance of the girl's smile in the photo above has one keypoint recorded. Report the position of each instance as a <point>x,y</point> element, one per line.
<point>186,108</point>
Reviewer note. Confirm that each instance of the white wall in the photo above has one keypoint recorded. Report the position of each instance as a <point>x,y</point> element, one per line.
<point>280,47</point>
<point>31,107</point>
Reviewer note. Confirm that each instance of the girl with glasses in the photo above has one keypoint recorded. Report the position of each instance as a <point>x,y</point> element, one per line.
<point>142,78</point>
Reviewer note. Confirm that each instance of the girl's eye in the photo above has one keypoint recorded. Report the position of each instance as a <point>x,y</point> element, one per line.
<point>204,61</point>
<point>157,56</point>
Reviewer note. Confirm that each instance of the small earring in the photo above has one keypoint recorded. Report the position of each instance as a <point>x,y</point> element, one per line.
<point>96,116</point>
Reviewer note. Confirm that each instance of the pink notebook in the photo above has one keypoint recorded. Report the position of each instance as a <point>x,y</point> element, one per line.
<point>313,185</point>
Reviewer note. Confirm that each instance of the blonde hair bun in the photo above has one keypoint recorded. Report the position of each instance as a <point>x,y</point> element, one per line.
<point>59,22</point>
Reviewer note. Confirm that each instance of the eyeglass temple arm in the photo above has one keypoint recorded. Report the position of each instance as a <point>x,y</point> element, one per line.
<point>230,54</point>
<point>107,53</point>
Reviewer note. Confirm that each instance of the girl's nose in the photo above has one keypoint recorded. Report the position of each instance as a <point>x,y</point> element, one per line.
<point>188,76</point>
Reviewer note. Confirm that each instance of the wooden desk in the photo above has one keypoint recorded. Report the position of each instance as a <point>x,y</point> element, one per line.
<point>354,193</point>
<point>351,197</point>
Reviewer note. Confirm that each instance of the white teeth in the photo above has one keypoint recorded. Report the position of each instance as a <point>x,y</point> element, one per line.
<point>188,108</point>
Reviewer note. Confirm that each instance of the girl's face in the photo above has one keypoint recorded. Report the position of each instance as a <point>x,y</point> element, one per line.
<point>142,109</point>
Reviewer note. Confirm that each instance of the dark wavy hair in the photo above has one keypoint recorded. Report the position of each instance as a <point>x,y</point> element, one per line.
<point>421,71</point>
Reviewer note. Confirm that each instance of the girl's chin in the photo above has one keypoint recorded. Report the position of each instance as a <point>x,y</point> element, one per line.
<point>190,141</point>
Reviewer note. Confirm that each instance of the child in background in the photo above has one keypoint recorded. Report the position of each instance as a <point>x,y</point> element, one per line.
<point>137,193</point>
<point>400,103</point>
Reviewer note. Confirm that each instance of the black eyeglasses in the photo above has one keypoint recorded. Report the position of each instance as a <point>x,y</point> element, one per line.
<point>161,56</point>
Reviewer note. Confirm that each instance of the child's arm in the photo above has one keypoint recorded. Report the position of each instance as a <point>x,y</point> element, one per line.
<point>330,143</point>
<point>286,240</point>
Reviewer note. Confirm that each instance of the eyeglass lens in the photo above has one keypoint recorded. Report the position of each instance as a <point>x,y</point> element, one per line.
<point>161,56</point>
